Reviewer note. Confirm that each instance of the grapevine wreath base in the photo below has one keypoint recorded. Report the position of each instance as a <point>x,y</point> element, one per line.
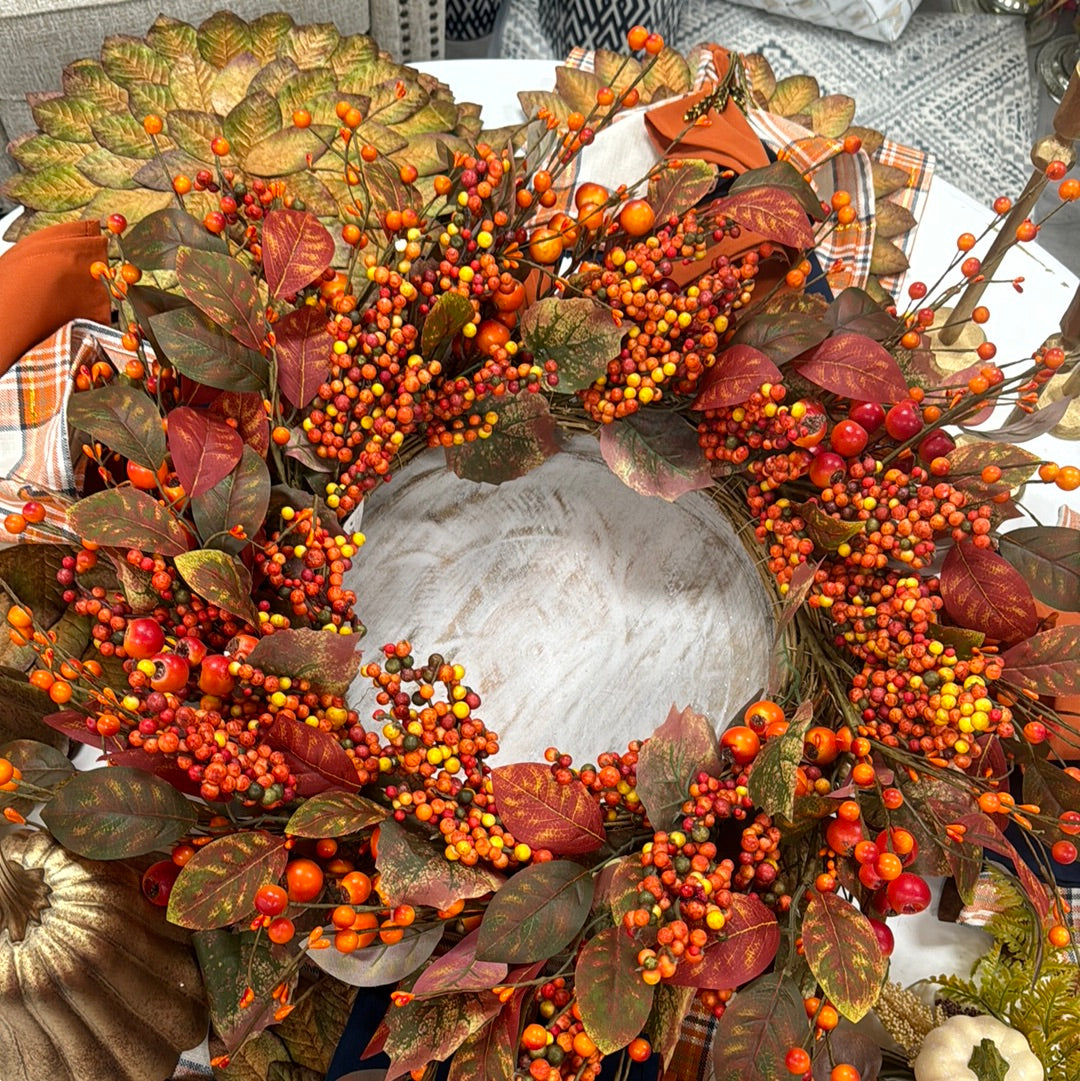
<point>322,271</point>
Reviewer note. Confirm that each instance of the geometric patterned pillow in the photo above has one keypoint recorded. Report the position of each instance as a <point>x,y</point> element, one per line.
<point>879,20</point>
<point>602,24</point>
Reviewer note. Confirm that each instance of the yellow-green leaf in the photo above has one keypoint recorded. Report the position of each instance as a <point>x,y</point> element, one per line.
<point>793,94</point>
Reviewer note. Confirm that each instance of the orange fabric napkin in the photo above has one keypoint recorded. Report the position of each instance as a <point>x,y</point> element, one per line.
<point>45,283</point>
<point>729,142</point>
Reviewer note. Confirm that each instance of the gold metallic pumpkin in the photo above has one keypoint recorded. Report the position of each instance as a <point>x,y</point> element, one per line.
<point>93,982</point>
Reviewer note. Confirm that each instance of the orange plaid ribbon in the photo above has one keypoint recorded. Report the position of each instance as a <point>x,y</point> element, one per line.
<point>35,452</point>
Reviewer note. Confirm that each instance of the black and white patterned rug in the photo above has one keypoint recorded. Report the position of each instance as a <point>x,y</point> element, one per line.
<point>955,85</point>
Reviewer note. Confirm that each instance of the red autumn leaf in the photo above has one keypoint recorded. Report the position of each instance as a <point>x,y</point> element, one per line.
<point>490,1052</point>
<point>1047,663</point>
<point>682,746</point>
<point>773,213</point>
<point>984,592</point>
<point>843,953</point>
<point>413,871</point>
<point>316,749</point>
<point>614,1001</point>
<point>73,725</point>
<point>460,970</point>
<point>303,354</point>
<point>751,939</point>
<point>855,366</point>
<point>536,809</point>
<point>246,408</point>
<point>738,372</point>
<point>296,249</point>
<point>204,448</point>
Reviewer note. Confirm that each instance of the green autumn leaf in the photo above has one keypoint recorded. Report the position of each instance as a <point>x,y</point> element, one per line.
<point>128,518</point>
<point>773,776</point>
<point>524,437</point>
<point>198,348</point>
<point>241,499</point>
<point>330,661</point>
<point>670,1006</point>
<point>615,1002</point>
<point>536,913</point>
<point>152,243</point>
<point>230,962</point>
<point>288,151</point>
<point>41,765</point>
<point>220,579</point>
<point>759,1025</point>
<point>843,953</point>
<point>448,315</point>
<point>111,814</point>
<point>334,814</point>
<point>1049,559</point>
<point>379,964</point>
<point>222,289</point>
<point>430,1030</point>
<point>826,531</point>
<point>580,335</point>
<point>680,186</point>
<point>217,886</point>
<point>412,870</point>
<point>56,187</point>
<point>314,1029</point>
<point>656,454</point>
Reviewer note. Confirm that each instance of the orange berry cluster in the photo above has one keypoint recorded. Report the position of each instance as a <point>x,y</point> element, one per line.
<point>763,434</point>
<point>673,331</point>
<point>435,756</point>
<point>560,1048</point>
<point>305,566</point>
<point>929,701</point>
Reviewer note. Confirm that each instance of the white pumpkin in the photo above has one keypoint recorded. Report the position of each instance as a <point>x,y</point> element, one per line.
<point>947,1050</point>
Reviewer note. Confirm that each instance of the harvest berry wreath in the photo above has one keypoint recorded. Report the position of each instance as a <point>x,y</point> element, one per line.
<point>196,621</point>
